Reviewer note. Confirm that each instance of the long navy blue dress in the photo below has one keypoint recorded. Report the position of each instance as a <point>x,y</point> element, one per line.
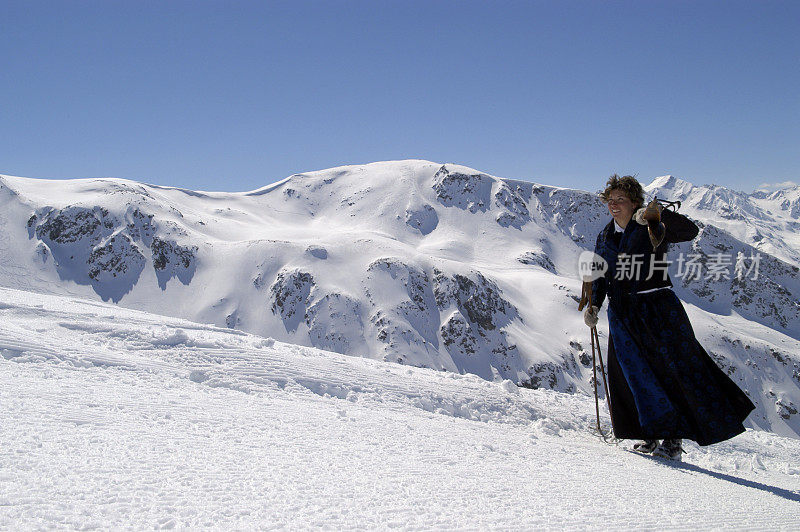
<point>662,383</point>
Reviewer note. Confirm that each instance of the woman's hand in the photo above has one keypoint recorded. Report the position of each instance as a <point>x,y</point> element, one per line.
<point>651,213</point>
<point>591,316</point>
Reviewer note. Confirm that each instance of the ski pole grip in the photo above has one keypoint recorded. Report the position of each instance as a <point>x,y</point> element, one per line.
<point>586,295</point>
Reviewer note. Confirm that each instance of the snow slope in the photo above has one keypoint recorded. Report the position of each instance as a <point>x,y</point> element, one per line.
<point>118,418</point>
<point>425,264</point>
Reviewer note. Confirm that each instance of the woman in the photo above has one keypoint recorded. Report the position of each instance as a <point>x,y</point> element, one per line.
<point>662,383</point>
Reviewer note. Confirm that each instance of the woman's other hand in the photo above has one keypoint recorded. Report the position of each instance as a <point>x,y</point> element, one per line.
<point>651,213</point>
<point>591,316</point>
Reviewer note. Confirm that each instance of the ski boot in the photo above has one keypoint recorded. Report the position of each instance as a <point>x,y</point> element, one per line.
<point>646,446</point>
<point>670,449</point>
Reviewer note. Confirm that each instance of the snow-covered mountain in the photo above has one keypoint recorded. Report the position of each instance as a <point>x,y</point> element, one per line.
<point>421,263</point>
<point>770,222</point>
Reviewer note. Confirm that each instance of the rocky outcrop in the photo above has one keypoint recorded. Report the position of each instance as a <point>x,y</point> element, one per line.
<point>71,225</point>
<point>472,331</point>
<point>116,262</point>
<point>290,297</point>
<point>578,214</point>
<point>403,315</point>
<point>171,259</point>
<point>442,321</point>
<point>477,297</point>
<point>785,409</point>
<point>555,376</point>
<point>458,336</point>
<point>537,258</point>
<point>88,248</point>
<point>473,192</point>
<point>513,205</point>
<point>721,274</point>
<point>140,226</point>
<point>465,191</point>
<point>332,320</point>
<point>92,246</point>
<point>334,323</point>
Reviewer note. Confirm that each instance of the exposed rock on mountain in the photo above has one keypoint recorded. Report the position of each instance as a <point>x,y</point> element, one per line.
<point>721,274</point>
<point>290,297</point>
<point>538,258</point>
<point>170,259</point>
<point>514,203</point>
<point>334,323</point>
<point>87,249</point>
<point>465,191</point>
<point>414,262</point>
<point>92,246</point>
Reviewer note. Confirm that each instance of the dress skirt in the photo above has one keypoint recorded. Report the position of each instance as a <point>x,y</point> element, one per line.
<point>662,383</point>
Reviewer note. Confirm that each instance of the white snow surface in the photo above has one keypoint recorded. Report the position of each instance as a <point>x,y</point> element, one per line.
<point>117,418</point>
<point>417,262</point>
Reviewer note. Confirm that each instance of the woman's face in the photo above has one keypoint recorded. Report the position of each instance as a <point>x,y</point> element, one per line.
<point>621,207</point>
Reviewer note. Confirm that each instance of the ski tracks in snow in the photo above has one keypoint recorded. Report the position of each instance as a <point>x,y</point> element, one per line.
<point>116,418</point>
<point>223,358</point>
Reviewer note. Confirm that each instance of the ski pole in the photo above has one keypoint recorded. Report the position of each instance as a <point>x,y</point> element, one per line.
<point>586,298</point>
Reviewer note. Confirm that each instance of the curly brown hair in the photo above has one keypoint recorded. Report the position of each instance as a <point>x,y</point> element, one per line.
<point>626,184</point>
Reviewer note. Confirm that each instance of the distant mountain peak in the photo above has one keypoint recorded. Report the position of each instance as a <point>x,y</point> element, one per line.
<point>671,183</point>
<point>772,188</point>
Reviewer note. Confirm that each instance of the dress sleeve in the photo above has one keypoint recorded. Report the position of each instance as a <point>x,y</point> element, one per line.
<point>679,227</point>
<point>599,286</point>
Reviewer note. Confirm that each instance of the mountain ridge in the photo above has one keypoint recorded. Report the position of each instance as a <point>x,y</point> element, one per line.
<point>415,262</point>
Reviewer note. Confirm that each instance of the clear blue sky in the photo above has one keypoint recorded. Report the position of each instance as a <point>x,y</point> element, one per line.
<point>234,95</point>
